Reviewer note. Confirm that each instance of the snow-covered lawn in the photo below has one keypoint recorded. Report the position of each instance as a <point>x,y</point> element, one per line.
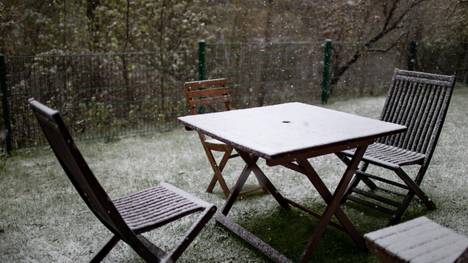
<point>43,219</point>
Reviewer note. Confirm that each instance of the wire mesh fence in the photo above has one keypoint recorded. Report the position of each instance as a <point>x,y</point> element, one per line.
<point>111,95</point>
<point>268,73</point>
<point>99,95</point>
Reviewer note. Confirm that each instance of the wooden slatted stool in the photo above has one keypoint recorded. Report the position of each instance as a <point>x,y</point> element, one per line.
<point>418,240</point>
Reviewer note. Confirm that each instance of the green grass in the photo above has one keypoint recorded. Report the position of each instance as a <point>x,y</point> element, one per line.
<point>42,218</point>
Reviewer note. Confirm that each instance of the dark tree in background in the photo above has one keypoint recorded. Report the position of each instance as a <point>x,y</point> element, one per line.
<point>390,23</point>
<point>357,28</point>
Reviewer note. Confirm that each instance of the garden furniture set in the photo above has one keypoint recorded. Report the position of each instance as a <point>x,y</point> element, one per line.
<point>286,135</point>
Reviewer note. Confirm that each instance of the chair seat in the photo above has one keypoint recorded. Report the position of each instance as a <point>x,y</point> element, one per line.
<point>216,145</point>
<point>156,206</point>
<point>389,156</point>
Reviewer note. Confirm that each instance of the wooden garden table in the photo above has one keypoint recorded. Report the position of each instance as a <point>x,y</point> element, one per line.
<point>288,135</point>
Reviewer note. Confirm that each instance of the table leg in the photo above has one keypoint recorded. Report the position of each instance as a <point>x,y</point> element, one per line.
<point>325,193</point>
<point>217,171</point>
<point>238,187</point>
<point>217,174</point>
<point>263,180</point>
<point>243,233</point>
<point>334,202</point>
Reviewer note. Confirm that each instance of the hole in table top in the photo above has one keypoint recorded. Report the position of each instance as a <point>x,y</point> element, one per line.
<point>286,121</point>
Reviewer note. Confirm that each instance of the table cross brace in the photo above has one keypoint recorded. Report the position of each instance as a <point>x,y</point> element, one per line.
<point>303,166</point>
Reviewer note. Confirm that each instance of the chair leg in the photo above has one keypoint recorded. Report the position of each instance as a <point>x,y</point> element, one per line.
<point>105,249</point>
<point>221,166</point>
<point>372,186</point>
<point>356,179</point>
<point>217,171</point>
<point>415,188</point>
<point>267,186</point>
<point>354,183</point>
<point>396,217</point>
<point>363,168</point>
<point>192,233</point>
<point>146,249</point>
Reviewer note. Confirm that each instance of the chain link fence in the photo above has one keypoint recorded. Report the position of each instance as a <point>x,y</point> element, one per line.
<point>267,74</point>
<point>100,96</point>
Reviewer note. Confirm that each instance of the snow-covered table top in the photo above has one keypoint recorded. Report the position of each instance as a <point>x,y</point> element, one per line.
<point>275,130</point>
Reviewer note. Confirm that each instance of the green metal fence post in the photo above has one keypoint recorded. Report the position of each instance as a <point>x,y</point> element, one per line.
<point>5,104</point>
<point>201,60</point>
<point>327,52</point>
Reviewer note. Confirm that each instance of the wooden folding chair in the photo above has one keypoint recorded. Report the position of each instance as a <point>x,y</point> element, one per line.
<point>420,102</point>
<point>208,96</point>
<point>126,217</point>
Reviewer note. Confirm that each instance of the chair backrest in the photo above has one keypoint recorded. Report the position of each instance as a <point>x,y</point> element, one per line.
<point>420,102</point>
<point>207,93</point>
<point>77,169</point>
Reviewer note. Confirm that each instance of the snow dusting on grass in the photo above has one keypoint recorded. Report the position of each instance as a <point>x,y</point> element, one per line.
<point>44,220</point>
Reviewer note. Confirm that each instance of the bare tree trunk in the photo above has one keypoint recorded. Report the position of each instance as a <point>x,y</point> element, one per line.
<point>93,43</point>
<point>125,73</point>
<point>465,63</point>
<point>65,25</point>
<point>161,56</point>
<point>93,25</point>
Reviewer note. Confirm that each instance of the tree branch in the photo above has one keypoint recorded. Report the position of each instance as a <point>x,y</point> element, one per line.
<point>390,13</point>
<point>127,25</point>
<point>386,29</point>
<point>385,50</point>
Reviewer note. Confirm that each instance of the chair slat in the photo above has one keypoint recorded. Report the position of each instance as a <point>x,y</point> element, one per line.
<point>426,80</point>
<point>395,106</point>
<point>208,92</point>
<point>211,100</point>
<point>424,75</point>
<point>425,111</point>
<point>405,111</point>
<point>416,117</point>
<point>435,122</point>
<point>205,83</point>
<point>427,121</point>
<point>413,114</point>
<point>390,154</point>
